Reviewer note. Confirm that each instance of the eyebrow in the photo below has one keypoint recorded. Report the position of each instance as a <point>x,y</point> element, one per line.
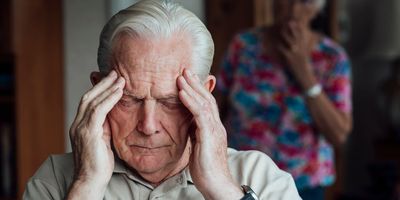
<point>169,97</point>
<point>125,92</point>
<point>163,97</point>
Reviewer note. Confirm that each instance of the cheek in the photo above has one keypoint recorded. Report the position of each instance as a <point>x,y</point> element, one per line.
<point>177,125</point>
<point>121,123</point>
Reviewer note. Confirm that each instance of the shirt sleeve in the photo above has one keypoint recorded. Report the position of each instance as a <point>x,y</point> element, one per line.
<point>337,82</point>
<point>38,189</point>
<point>257,170</point>
<point>44,184</point>
<point>229,64</point>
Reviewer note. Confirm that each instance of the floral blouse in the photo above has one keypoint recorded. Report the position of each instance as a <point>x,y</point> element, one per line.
<point>268,111</point>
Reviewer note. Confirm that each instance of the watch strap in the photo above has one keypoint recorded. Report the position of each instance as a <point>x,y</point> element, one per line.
<point>249,194</point>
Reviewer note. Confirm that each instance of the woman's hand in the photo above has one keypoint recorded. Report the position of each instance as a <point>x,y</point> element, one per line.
<point>296,52</point>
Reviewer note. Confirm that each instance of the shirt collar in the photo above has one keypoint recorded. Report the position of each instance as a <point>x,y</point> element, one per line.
<point>187,176</point>
<point>120,167</point>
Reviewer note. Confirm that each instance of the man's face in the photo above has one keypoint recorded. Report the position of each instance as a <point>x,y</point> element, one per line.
<point>149,124</point>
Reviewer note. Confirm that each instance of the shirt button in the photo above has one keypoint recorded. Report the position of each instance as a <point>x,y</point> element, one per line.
<point>179,180</point>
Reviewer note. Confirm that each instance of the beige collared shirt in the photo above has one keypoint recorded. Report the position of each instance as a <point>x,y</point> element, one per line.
<point>252,168</point>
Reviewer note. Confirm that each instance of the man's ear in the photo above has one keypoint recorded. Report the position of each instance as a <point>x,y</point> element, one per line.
<point>95,77</point>
<point>210,83</point>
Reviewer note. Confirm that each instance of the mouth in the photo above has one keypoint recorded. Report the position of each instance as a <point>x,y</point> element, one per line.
<point>145,149</point>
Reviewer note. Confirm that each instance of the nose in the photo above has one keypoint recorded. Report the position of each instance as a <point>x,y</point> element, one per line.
<point>148,120</point>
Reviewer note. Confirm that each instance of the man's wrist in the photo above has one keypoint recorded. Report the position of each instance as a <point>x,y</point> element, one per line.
<point>234,192</point>
<point>86,189</point>
<point>223,190</point>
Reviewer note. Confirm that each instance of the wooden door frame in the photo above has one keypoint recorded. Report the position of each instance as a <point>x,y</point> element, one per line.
<point>38,49</point>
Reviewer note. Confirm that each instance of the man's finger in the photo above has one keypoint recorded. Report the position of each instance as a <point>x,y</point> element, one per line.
<point>183,85</point>
<point>99,113</point>
<point>88,96</point>
<point>119,83</point>
<point>101,86</point>
<point>197,85</point>
<point>200,112</point>
<point>205,111</point>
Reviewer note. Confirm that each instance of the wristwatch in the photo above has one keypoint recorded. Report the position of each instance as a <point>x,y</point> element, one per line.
<point>249,194</point>
<point>314,91</point>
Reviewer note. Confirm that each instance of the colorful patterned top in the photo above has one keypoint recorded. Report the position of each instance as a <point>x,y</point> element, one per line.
<point>268,110</point>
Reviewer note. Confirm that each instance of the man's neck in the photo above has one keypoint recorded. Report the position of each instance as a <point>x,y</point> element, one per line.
<point>157,178</point>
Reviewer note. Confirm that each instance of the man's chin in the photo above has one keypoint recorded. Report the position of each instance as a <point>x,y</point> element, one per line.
<point>153,171</point>
<point>155,165</point>
<point>147,164</point>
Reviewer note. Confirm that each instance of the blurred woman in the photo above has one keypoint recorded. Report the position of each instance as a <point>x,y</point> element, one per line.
<point>287,93</point>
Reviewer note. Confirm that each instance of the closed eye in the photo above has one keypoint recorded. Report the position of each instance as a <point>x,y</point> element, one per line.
<point>171,103</point>
<point>128,101</point>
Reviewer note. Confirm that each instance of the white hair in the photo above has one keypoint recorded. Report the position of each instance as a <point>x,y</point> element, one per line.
<point>158,19</point>
<point>320,4</point>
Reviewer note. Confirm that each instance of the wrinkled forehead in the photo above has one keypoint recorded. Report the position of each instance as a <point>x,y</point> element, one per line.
<point>151,64</point>
<point>156,83</point>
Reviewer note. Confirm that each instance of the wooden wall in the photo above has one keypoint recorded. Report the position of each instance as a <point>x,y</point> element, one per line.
<point>38,50</point>
<point>224,18</point>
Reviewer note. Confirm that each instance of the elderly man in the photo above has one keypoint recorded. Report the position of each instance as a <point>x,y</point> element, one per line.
<point>150,128</point>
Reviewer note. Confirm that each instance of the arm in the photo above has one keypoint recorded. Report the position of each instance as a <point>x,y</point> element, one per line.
<point>90,137</point>
<point>274,184</point>
<point>209,160</point>
<point>335,124</point>
<point>329,120</point>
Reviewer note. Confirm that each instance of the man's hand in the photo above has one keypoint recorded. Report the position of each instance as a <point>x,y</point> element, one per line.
<point>208,163</point>
<point>90,138</point>
<point>296,51</point>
